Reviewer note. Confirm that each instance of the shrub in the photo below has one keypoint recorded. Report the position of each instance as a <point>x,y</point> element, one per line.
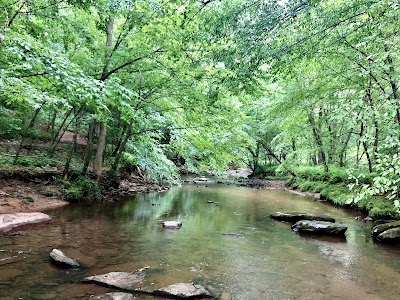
<point>313,173</point>
<point>338,175</point>
<point>10,128</point>
<point>265,170</point>
<point>311,186</point>
<point>337,194</point>
<point>80,188</point>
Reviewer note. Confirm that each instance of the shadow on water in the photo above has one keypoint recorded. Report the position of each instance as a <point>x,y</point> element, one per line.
<point>259,259</point>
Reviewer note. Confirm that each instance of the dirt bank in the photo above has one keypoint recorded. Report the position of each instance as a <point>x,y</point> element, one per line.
<point>21,196</point>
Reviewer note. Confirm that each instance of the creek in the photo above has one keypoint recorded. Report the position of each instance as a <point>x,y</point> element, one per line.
<point>267,261</point>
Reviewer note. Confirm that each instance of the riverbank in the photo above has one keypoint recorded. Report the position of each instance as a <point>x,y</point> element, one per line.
<point>28,192</point>
<point>19,196</point>
<point>33,192</point>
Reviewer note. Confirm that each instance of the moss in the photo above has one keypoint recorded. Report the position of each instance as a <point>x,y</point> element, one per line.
<point>378,208</point>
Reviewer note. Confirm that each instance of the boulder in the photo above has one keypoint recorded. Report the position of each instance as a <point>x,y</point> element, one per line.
<point>59,257</point>
<point>115,296</point>
<point>172,224</point>
<point>319,227</point>
<point>127,281</point>
<point>8,221</point>
<point>183,291</point>
<point>295,217</point>
<point>387,232</point>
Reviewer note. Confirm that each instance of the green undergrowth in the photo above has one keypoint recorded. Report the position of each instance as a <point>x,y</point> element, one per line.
<point>333,187</point>
<point>81,187</point>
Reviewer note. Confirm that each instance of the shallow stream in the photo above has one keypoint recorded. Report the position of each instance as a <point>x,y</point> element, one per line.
<point>268,261</point>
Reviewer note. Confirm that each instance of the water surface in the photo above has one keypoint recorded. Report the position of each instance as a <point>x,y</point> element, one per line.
<point>269,261</point>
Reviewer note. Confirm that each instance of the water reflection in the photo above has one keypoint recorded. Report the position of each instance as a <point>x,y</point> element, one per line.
<point>268,261</point>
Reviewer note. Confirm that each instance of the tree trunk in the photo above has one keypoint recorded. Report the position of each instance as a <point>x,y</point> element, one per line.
<point>122,146</point>
<point>101,142</point>
<point>393,83</point>
<point>73,146</point>
<point>30,124</point>
<point>318,140</point>
<point>344,148</point>
<point>88,151</point>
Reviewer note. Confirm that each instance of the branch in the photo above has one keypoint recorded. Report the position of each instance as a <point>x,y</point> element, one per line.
<point>32,75</point>
<point>109,73</point>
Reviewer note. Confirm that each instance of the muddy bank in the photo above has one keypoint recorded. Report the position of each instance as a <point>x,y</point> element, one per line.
<point>23,196</point>
<point>36,195</point>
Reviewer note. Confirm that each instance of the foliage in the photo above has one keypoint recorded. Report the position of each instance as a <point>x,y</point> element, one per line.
<point>310,86</point>
<point>80,188</point>
<point>386,181</point>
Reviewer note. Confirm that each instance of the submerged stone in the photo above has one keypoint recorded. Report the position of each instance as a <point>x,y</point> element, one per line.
<point>8,221</point>
<point>172,224</point>
<point>122,280</point>
<point>232,234</point>
<point>296,216</point>
<point>184,291</point>
<point>59,257</point>
<point>115,296</point>
<point>319,227</point>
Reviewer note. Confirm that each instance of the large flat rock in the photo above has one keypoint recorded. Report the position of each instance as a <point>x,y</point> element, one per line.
<point>319,227</point>
<point>183,291</point>
<point>127,281</point>
<point>294,217</point>
<point>9,221</point>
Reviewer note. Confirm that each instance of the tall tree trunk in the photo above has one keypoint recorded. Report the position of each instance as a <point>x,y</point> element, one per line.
<point>120,140</point>
<point>394,84</point>
<point>122,146</point>
<point>342,152</point>
<point>73,146</point>
<point>24,133</point>
<point>101,142</point>
<point>55,135</point>
<point>317,133</point>
<point>368,99</point>
<point>88,151</point>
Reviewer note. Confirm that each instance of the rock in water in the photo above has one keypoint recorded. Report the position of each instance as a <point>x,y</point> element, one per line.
<point>387,232</point>
<point>59,257</point>
<point>236,235</point>
<point>295,217</point>
<point>115,296</point>
<point>122,280</point>
<point>172,224</point>
<point>8,221</point>
<point>183,291</point>
<point>319,227</point>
